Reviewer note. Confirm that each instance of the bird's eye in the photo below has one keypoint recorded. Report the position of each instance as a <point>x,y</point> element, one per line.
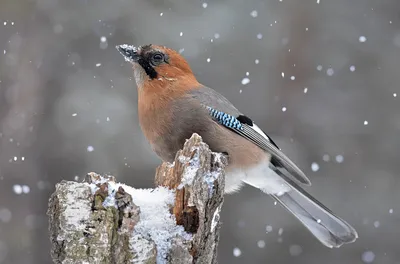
<point>157,58</point>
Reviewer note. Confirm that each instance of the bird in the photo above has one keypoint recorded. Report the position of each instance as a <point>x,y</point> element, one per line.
<point>173,104</point>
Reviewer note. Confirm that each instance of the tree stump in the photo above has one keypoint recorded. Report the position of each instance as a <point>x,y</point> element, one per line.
<point>102,221</point>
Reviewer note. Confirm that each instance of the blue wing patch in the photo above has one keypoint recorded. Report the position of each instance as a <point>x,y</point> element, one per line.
<point>225,119</point>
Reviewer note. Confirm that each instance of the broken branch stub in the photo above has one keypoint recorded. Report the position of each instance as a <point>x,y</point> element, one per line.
<point>101,221</point>
<point>197,175</point>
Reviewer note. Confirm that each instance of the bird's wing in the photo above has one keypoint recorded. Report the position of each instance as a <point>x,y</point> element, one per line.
<point>223,112</point>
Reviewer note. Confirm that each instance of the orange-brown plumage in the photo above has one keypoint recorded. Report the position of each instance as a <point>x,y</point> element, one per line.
<point>155,95</point>
<point>173,105</point>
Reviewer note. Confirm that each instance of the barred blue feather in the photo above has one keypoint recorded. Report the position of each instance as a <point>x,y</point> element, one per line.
<point>225,119</point>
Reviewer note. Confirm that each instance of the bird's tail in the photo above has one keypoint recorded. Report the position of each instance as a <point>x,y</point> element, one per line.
<point>328,228</point>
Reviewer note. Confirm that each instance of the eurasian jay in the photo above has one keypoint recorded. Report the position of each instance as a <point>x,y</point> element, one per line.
<point>173,105</point>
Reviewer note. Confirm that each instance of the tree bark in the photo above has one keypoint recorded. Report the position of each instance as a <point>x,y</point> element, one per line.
<point>101,221</point>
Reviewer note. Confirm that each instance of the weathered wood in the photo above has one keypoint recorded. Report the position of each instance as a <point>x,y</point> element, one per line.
<point>101,221</point>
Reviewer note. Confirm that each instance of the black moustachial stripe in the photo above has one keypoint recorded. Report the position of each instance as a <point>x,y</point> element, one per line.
<point>148,68</point>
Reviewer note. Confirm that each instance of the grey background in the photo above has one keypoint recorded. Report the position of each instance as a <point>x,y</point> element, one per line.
<point>55,103</point>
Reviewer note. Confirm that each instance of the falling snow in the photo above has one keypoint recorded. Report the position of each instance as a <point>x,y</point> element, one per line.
<point>245,81</point>
<point>17,189</point>
<point>268,229</point>
<point>90,148</point>
<point>25,189</point>
<point>254,13</point>
<point>204,5</point>
<point>339,158</point>
<point>261,243</point>
<point>368,257</point>
<point>352,68</point>
<point>314,166</point>
<point>362,39</point>
<point>284,109</point>
<point>237,252</point>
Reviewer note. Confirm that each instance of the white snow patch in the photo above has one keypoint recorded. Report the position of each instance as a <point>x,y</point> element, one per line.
<point>190,171</point>
<point>215,219</point>
<point>156,221</point>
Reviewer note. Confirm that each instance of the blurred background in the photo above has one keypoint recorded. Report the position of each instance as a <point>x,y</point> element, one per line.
<point>320,77</point>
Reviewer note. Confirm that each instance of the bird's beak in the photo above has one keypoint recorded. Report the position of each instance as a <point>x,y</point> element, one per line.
<point>129,52</point>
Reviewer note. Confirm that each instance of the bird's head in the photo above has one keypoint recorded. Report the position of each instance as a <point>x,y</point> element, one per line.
<point>155,65</point>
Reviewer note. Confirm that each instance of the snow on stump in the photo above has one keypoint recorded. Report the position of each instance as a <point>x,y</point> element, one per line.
<point>102,221</point>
